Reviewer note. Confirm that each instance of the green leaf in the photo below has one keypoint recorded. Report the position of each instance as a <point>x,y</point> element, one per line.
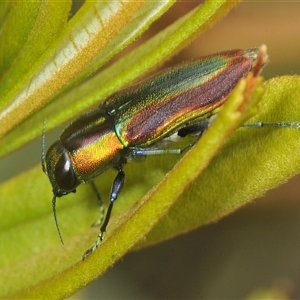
<point>129,68</point>
<point>37,23</point>
<point>4,9</point>
<point>27,243</point>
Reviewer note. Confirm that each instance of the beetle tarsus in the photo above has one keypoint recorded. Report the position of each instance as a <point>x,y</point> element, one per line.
<point>94,247</point>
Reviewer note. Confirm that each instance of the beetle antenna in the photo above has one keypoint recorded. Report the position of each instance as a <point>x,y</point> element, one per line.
<point>55,218</point>
<point>43,147</point>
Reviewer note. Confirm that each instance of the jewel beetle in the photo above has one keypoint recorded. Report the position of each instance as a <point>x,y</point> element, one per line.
<point>134,122</point>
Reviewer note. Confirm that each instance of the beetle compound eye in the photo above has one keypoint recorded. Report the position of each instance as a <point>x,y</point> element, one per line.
<point>65,176</point>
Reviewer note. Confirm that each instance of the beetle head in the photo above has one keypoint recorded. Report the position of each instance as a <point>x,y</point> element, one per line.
<point>57,165</point>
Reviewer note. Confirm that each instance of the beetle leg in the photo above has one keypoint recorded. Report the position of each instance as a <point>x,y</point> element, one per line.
<point>100,203</point>
<point>116,188</point>
<point>195,130</point>
<point>136,153</point>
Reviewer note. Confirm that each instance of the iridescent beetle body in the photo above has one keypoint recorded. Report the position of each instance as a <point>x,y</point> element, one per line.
<point>132,122</point>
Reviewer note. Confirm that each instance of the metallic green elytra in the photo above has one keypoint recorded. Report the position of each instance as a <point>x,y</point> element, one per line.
<point>174,103</point>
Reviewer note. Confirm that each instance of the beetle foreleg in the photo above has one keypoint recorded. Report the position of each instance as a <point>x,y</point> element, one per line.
<point>100,203</point>
<point>116,188</point>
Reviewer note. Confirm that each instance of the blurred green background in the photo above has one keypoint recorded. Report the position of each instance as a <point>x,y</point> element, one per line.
<point>253,253</point>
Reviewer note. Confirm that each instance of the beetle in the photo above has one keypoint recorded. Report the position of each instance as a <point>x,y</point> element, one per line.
<point>135,122</point>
